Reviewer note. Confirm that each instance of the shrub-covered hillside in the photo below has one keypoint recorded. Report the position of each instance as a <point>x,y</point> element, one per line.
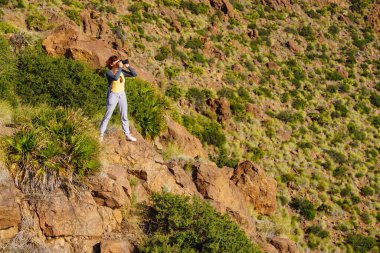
<point>292,85</point>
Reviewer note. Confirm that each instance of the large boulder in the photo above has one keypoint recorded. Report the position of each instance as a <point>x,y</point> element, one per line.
<point>221,107</point>
<point>188,143</point>
<point>115,246</point>
<point>60,215</point>
<point>214,184</point>
<point>142,162</point>
<point>258,189</point>
<point>69,41</point>
<point>284,245</point>
<point>10,215</point>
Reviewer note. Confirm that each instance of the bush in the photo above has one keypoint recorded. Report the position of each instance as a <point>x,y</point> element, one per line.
<point>195,8</point>
<point>7,28</point>
<point>172,72</point>
<point>375,99</point>
<point>318,231</point>
<point>162,54</point>
<point>74,15</point>
<point>59,81</point>
<point>194,43</point>
<point>223,158</point>
<point>7,72</point>
<point>146,106</point>
<point>307,32</point>
<point>180,225</point>
<point>361,243</point>
<point>198,97</point>
<point>174,92</point>
<point>207,130</point>
<point>50,147</point>
<point>290,117</point>
<point>36,21</point>
<point>304,207</point>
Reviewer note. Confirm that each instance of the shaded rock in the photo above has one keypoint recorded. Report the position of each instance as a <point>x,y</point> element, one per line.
<point>223,5</point>
<point>258,189</point>
<point>115,246</point>
<point>69,216</point>
<point>94,25</point>
<point>284,245</point>
<point>188,143</point>
<point>278,4</point>
<point>253,34</point>
<point>221,107</point>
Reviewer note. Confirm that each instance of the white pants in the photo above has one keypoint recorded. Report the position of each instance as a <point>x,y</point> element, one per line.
<point>112,100</point>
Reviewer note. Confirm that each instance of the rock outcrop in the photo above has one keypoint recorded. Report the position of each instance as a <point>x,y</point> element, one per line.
<point>258,189</point>
<point>10,215</point>
<point>374,17</point>
<point>188,143</point>
<point>69,41</point>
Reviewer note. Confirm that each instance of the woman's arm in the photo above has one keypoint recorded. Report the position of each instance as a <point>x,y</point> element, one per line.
<point>130,73</point>
<point>111,76</point>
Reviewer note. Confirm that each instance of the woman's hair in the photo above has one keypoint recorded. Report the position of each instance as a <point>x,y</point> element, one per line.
<point>111,60</point>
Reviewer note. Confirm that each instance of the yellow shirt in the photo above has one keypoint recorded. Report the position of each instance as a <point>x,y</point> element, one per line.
<point>118,85</point>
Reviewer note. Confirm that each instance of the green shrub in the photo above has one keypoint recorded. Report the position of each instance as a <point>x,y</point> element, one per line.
<point>59,81</point>
<point>375,99</point>
<point>198,97</point>
<point>8,72</point>
<point>36,21</point>
<point>359,5</point>
<point>50,147</point>
<point>174,91</point>
<point>194,43</point>
<point>175,3</point>
<point>375,121</point>
<point>172,72</point>
<point>195,8</point>
<point>318,231</point>
<point>74,15</point>
<point>207,130</point>
<point>290,117</point>
<point>304,207</point>
<point>180,225</point>
<point>361,243</point>
<point>7,28</point>
<point>367,191</point>
<point>162,54</point>
<point>307,32</point>
<point>224,159</point>
<point>146,106</point>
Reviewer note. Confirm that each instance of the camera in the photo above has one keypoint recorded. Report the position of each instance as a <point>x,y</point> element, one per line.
<point>126,61</point>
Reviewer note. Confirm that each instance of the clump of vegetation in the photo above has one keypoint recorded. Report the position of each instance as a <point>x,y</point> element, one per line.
<point>74,15</point>
<point>181,224</point>
<point>7,72</point>
<point>146,106</point>
<point>174,91</point>
<point>207,130</point>
<point>6,28</point>
<point>36,21</point>
<point>361,243</point>
<point>51,148</point>
<point>304,207</point>
<point>58,81</point>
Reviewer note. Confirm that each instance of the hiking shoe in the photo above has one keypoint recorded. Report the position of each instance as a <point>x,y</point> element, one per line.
<point>130,138</point>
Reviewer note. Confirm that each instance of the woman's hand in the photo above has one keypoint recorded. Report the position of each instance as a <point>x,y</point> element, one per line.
<point>126,65</point>
<point>120,64</point>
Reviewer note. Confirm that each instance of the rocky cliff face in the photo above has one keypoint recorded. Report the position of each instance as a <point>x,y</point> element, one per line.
<point>91,216</point>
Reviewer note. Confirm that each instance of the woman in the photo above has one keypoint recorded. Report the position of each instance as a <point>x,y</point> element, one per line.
<point>116,95</point>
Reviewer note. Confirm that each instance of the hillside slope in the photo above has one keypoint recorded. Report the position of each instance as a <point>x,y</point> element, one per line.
<point>291,85</point>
